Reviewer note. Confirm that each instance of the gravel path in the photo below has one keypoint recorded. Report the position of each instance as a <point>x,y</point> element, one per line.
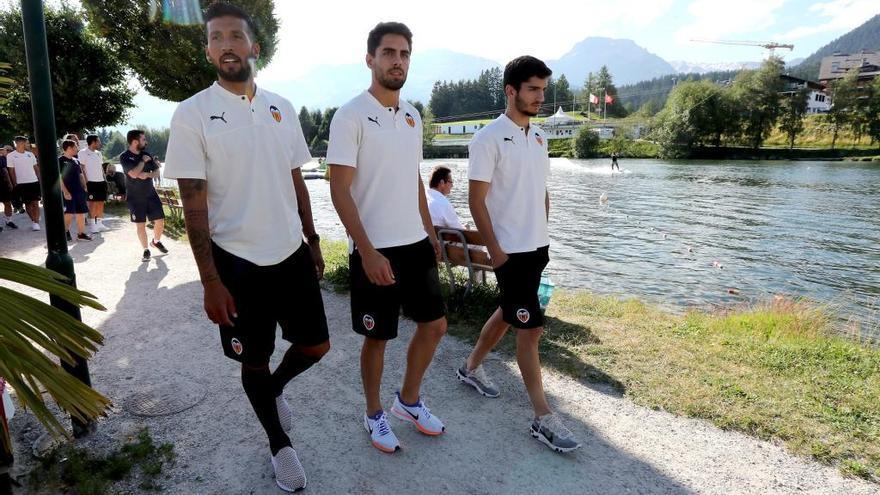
<point>157,339</point>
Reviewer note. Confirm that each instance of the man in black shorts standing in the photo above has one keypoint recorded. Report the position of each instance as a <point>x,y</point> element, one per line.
<point>25,173</point>
<point>6,191</point>
<point>374,153</point>
<point>143,201</point>
<point>508,197</point>
<point>246,228</point>
<point>91,159</point>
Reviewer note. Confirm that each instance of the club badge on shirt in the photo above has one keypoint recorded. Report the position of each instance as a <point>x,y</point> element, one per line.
<point>276,114</point>
<point>539,139</point>
<point>410,120</point>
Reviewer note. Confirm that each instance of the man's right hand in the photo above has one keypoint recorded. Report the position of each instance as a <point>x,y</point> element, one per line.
<point>219,304</point>
<point>498,259</point>
<point>377,267</point>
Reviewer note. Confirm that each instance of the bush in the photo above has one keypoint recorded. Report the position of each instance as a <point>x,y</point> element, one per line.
<point>585,144</point>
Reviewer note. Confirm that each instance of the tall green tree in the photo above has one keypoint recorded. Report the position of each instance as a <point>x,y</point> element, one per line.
<point>872,104</point>
<point>604,85</point>
<point>794,108</point>
<point>757,97</point>
<point>696,114</point>
<point>585,143</point>
<point>564,96</point>
<point>307,124</point>
<point>88,82</point>
<point>169,58</point>
<point>323,134</point>
<point>844,97</point>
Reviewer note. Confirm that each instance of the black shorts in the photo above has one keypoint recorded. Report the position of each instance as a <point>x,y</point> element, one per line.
<point>285,294</point>
<point>5,187</point>
<point>518,281</point>
<point>142,209</point>
<point>28,192</point>
<point>76,204</point>
<point>97,191</point>
<point>376,308</point>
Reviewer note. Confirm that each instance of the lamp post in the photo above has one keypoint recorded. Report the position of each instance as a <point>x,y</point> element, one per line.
<point>58,259</point>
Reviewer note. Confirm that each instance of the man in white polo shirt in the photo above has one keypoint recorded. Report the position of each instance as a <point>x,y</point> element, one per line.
<point>442,212</point>
<point>96,185</point>
<point>24,173</point>
<point>236,152</point>
<point>508,197</point>
<point>374,153</point>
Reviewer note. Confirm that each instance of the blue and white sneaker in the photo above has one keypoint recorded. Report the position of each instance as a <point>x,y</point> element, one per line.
<point>549,430</point>
<point>380,433</point>
<point>419,415</point>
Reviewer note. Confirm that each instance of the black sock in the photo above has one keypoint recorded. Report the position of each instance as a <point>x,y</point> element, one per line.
<point>258,386</point>
<point>294,363</point>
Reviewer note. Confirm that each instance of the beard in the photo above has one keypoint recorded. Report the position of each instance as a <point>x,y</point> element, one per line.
<point>389,83</point>
<point>241,75</point>
<point>524,108</point>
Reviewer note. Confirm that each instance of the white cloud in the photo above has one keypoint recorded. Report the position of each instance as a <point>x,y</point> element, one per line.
<point>839,15</point>
<point>714,19</point>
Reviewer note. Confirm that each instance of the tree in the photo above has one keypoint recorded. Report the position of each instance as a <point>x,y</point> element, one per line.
<point>873,110</point>
<point>115,146</point>
<point>427,128</point>
<point>844,93</point>
<point>696,114</point>
<point>794,108</point>
<point>307,124</point>
<point>603,84</point>
<point>169,58</point>
<point>757,97</point>
<point>323,134</point>
<point>89,87</point>
<point>564,96</point>
<point>586,143</point>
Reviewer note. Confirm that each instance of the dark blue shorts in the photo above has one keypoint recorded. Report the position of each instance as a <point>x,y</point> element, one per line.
<point>142,209</point>
<point>76,204</point>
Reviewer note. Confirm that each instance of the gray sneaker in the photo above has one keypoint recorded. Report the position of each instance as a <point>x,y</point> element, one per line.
<point>479,380</point>
<point>550,431</point>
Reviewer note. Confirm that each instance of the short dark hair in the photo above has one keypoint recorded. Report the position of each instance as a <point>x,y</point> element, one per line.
<point>91,138</point>
<point>440,173</point>
<point>521,69</point>
<point>133,135</point>
<point>19,139</point>
<point>68,143</point>
<point>374,39</point>
<point>225,9</point>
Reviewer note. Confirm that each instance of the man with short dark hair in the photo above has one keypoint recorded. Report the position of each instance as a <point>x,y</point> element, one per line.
<point>6,190</point>
<point>236,152</point>
<point>24,173</point>
<point>73,190</point>
<point>143,201</point>
<point>374,153</point>
<point>508,197</point>
<point>91,159</point>
<point>442,212</point>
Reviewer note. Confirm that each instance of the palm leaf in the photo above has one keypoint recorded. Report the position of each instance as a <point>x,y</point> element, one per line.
<point>30,328</point>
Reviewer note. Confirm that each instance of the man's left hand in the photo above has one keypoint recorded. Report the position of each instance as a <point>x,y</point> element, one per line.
<point>315,247</point>
<point>436,245</point>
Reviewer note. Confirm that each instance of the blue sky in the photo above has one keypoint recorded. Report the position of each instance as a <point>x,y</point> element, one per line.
<point>334,32</point>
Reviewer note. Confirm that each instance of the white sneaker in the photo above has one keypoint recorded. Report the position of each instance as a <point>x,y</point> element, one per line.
<point>380,434</point>
<point>285,414</point>
<point>99,225</point>
<point>35,226</point>
<point>419,415</point>
<point>289,473</point>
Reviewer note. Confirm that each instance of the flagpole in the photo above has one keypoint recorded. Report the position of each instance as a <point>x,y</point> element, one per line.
<point>604,106</point>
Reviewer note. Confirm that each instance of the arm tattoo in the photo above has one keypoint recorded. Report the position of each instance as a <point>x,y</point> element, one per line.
<point>189,188</point>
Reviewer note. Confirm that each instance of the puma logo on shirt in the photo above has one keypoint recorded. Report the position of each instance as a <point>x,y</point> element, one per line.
<point>222,117</point>
<point>509,139</point>
<point>374,120</point>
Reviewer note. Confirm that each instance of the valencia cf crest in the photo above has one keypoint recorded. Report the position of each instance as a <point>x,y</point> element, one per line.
<point>539,139</point>
<point>410,120</point>
<point>523,315</point>
<point>236,346</point>
<point>276,114</point>
<point>369,322</point>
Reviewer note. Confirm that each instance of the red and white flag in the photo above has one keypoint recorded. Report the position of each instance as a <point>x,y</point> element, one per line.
<point>609,99</point>
<point>594,99</point>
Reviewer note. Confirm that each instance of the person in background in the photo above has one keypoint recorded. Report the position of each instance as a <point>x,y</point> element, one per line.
<point>442,212</point>
<point>24,172</point>
<point>91,160</point>
<point>143,201</point>
<point>73,189</point>
<point>6,191</point>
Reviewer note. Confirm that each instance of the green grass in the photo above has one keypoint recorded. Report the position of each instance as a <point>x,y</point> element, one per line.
<point>817,133</point>
<point>777,371</point>
<point>75,470</point>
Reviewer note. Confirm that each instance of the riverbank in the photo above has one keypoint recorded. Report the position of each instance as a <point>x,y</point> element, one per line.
<point>776,370</point>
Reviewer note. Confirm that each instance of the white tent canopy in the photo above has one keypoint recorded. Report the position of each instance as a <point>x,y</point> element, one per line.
<point>559,118</point>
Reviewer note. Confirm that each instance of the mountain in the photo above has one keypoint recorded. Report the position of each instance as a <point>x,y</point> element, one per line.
<point>864,37</point>
<point>683,67</point>
<point>627,61</point>
<point>328,86</point>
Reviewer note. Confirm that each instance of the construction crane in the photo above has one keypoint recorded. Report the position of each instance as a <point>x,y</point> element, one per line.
<point>769,45</point>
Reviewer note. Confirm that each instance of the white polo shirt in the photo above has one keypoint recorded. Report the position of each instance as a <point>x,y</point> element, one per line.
<point>23,163</point>
<point>442,212</point>
<point>517,166</point>
<point>386,148</point>
<point>92,161</point>
<point>245,150</point>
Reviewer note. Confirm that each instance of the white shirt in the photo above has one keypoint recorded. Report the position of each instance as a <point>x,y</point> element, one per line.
<point>442,212</point>
<point>517,166</point>
<point>245,150</point>
<point>23,163</point>
<point>92,161</point>
<point>386,148</point>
